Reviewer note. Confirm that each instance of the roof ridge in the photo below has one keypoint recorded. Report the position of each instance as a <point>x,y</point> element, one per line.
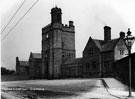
<point>111,44</point>
<point>23,61</point>
<point>73,60</point>
<point>36,53</point>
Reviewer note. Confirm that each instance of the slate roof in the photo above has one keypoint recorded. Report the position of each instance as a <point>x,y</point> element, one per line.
<point>98,43</point>
<point>36,55</point>
<point>24,63</point>
<point>106,46</point>
<point>109,45</point>
<point>74,61</point>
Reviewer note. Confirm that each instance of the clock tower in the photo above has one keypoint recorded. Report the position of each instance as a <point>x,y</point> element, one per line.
<point>58,45</point>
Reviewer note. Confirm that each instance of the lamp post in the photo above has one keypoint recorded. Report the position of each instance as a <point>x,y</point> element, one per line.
<point>129,40</point>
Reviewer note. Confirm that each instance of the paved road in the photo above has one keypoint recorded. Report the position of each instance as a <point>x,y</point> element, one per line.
<point>56,89</point>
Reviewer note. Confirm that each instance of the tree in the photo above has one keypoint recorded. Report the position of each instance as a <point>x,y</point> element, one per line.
<point>5,71</point>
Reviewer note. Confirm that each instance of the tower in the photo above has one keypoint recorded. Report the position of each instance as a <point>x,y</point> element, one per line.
<point>58,45</point>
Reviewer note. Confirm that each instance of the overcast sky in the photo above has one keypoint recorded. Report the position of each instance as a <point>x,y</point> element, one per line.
<point>89,16</point>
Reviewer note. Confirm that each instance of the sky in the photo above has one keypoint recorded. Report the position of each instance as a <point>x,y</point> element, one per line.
<point>89,16</point>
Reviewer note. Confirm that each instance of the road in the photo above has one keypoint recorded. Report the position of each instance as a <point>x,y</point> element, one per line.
<point>66,88</point>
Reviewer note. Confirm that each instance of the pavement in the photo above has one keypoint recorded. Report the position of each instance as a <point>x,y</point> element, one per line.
<point>5,95</point>
<point>106,88</point>
<point>115,84</point>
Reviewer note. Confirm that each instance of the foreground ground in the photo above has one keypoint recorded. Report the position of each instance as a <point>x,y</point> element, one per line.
<point>107,88</point>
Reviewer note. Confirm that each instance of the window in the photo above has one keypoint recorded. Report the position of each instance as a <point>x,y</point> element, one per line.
<point>121,52</point>
<point>62,44</point>
<point>56,70</point>
<point>47,36</point>
<point>46,56</point>
<point>63,54</point>
<point>107,66</point>
<point>87,66</point>
<point>68,54</point>
<point>94,65</point>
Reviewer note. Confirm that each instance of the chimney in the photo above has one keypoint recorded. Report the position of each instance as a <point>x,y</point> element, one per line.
<point>17,59</point>
<point>71,24</point>
<point>122,35</point>
<point>107,33</point>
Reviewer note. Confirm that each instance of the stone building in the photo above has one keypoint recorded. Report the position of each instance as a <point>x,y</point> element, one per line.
<point>72,68</point>
<point>22,67</point>
<point>58,51</point>
<point>58,56</point>
<point>58,45</point>
<point>99,55</point>
<point>35,65</point>
<point>121,68</point>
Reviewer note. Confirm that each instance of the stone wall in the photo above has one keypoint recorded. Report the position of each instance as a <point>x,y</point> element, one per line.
<point>71,71</point>
<point>107,59</point>
<point>91,61</point>
<point>35,68</point>
<point>121,68</point>
<point>14,77</point>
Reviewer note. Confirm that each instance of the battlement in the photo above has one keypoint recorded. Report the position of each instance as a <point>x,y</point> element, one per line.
<point>63,27</point>
<point>50,27</point>
<point>47,26</point>
<point>68,28</point>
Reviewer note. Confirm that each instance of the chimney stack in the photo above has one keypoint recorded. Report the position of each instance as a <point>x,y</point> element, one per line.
<point>107,33</point>
<point>71,24</point>
<point>17,59</point>
<point>122,35</point>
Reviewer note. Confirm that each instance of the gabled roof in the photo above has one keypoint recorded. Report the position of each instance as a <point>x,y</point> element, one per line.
<point>35,55</point>
<point>98,43</point>
<point>74,61</point>
<point>92,40</point>
<point>24,63</point>
<point>104,45</point>
<point>109,45</point>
